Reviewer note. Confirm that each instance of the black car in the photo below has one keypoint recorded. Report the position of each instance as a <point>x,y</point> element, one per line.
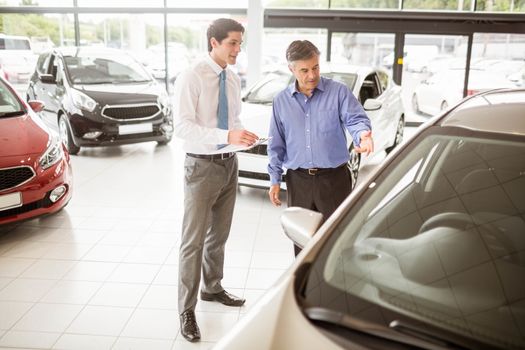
<point>102,97</point>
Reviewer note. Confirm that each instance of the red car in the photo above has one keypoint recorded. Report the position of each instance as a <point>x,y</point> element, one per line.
<point>35,169</point>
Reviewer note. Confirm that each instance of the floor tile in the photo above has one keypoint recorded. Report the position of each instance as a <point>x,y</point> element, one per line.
<point>72,292</point>
<point>48,269</point>
<point>84,342</point>
<point>119,294</point>
<point>100,320</point>
<point>48,318</point>
<point>22,289</point>
<point>160,297</point>
<point>33,340</point>
<point>91,271</point>
<point>142,344</point>
<point>12,312</point>
<point>134,273</point>
<point>14,267</point>
<point>156,324</point>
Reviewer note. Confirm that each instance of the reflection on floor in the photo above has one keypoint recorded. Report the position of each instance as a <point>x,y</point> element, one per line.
<point>102,273</point>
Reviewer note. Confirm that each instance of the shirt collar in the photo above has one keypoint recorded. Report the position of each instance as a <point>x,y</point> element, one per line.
<point>292,89</point>
<point>216,68</point>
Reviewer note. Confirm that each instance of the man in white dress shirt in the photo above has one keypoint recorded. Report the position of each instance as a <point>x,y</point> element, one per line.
<point>207,118</point>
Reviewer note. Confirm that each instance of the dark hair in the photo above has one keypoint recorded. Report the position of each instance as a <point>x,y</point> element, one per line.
<point>301,50</point>
<point>220,28</point>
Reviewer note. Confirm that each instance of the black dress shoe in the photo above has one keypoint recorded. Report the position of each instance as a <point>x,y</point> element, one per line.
<point>188,326</point>
<point>223,297</point>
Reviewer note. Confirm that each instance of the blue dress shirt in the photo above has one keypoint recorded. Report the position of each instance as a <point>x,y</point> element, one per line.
<point>308,132</point>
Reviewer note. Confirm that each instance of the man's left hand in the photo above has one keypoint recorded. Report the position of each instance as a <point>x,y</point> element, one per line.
<point>367,143</point>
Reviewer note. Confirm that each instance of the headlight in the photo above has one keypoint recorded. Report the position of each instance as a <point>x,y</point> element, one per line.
<point>82,101</point>
<point>165,103</point>
<point>53,153</point>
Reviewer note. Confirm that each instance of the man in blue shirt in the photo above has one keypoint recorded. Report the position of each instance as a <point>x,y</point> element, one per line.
<point>308,138</point>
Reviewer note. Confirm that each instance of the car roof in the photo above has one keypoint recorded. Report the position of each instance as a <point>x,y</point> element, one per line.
<point>496,111</point>
<point>86,50</point>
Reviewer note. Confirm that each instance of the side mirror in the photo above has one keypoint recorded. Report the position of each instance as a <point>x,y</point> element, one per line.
<point>36,106</point>
<point>300,224</point>
<point>372,104</point>
<point>47,78</point>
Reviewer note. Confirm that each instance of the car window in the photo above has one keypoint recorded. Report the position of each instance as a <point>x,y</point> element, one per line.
<point>104,69</point>
<point>14,44</point>
<point>348,79</point>
<point>43,63</point>
<point>383,80</point>
<point>265,92</point>
<point>370,88</point>
<point>446,246</point>
<point>8,101</point>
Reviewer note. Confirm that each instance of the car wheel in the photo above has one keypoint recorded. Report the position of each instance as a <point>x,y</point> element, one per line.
<point>444,106</point>
<point>415,104</point>
<point>353,165</point>
<point>65,135</point>
<point>399,135</point>
<point>164,142</point>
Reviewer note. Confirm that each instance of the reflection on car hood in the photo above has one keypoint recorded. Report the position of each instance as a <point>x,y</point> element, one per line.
<point>121,93</point>
<point>22,136</point>
<point>256,118</point>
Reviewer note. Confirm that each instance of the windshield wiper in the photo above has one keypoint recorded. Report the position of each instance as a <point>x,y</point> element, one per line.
<point>331,317</point>
<point>12,114</point>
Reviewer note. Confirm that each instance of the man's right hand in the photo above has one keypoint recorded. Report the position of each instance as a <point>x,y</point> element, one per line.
<point>242,137</point>
<point>274,195</point>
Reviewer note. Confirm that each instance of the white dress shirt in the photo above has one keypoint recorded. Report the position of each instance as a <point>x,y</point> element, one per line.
<point>195,105</point>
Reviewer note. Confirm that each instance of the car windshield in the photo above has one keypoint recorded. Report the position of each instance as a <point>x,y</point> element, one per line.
<point>276,82</point>
<point>439,237</point>
<point>9,104</point>
<point>105,69</point>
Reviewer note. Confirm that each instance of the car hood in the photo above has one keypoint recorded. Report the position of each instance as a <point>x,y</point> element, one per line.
<point>256,118</point>
<point>121,93</point>
<point>22,135</point>
<point>276,322</point>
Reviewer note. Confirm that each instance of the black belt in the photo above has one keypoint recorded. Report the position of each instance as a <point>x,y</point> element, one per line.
<point>318,171</point>
<point>212,156</point>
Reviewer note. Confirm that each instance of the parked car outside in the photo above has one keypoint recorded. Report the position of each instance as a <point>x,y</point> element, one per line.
<point>16,58</point>
<point>178,61</point>
<point>35,169</point>
<point>373,87</point>
<point>445,88</point>
<point>101,97</point>
<point>427,253</point>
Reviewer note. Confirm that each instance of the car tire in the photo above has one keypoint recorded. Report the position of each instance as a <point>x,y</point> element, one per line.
<point>65,135</point>
<point>415,104</point>
<point>164,142</point>
<point>353,165</point>
<point>399,135</point>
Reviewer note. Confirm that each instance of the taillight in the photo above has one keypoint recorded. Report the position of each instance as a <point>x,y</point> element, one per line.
<point>472,92</point>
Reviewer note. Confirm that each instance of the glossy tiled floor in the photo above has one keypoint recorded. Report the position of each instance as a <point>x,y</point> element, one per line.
<point>102,273</point>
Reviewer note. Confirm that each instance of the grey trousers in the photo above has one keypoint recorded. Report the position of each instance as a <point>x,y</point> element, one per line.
<point>210,189</point>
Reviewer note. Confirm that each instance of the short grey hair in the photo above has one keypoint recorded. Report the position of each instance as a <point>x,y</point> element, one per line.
<point>300,50</point>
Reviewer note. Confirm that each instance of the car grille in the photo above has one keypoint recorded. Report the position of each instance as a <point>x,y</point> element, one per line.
<point>261,149</point>
<point>24,209</point>
<point>13,177</point>
<point>131,112</point>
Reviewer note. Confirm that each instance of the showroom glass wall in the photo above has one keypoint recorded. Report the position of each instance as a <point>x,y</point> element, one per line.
<point>160,31</point>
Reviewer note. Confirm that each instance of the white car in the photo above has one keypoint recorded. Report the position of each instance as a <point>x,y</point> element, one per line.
<point>373,87</point>
<point>445,88</point>
<point>427,253</point>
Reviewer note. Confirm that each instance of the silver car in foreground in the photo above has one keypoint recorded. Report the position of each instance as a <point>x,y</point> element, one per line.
<point>428,253</point>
